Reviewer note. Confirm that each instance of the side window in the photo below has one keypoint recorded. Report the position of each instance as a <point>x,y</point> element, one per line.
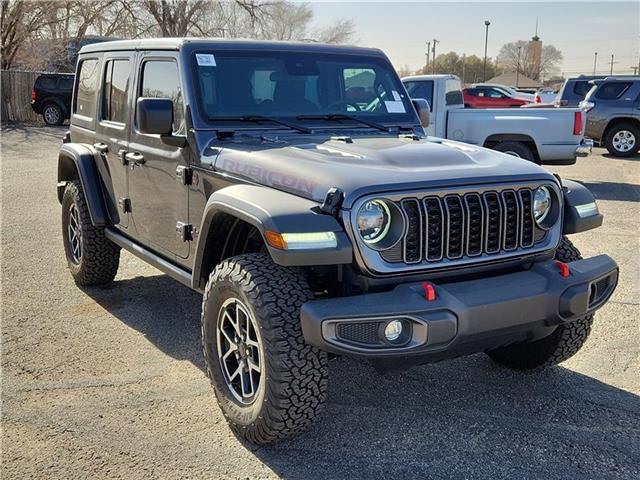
<point>87,85</point>
<point>612,91</point>
<point>453,92</point>
<point>160,79</point>
<point>421,89</point>
<point>582,88</point>
<point>493,93</point>
<point>48,83</point>
<point>66,83</point>
<point>115,94</point>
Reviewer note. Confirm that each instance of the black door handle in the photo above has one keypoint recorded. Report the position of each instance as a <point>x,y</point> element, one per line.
<point>101,147</point>
<point>135,158</point>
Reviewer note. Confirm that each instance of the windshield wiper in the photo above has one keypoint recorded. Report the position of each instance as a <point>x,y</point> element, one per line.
<point>261,118</point>
<point>342,116</point>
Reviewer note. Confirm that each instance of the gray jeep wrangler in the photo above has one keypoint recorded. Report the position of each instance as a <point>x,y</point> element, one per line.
<point>293,185</point>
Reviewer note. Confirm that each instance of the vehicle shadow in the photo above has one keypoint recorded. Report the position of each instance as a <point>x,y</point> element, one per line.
<point>622,192</point>
<point>465,418</point>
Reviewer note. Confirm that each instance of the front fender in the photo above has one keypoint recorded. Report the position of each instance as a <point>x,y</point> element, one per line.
<point>77,160</point>
<point>580,208</point>
<point>270,209</point>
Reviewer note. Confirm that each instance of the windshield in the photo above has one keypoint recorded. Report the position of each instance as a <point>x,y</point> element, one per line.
<point>288,85</point>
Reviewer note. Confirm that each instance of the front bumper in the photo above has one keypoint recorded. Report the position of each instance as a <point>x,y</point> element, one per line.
<point>465,317</point>
<point>585,148</point>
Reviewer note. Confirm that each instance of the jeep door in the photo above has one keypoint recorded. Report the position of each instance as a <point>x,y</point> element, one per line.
<point>159,201</point>
<point>112,129</point>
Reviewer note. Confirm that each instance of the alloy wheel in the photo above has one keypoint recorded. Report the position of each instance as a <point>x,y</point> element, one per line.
<point>240,351</point>
<point>624,141</point>
<point>51,115</point>
<point>74,234</point>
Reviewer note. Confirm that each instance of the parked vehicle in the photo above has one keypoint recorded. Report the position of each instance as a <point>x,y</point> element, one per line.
<point>520,132</point>
<point>574,90</point>
<point>613,114</point>
<point>545,96</point>
<point>51,97</point>
<point>490,97</point>
<point>315,224</point>
<point>512,92</point>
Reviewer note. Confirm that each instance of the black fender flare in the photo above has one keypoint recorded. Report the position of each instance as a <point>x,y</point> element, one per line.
<point>77,160</point>
<point>269,209</point>
<point>580,208</point>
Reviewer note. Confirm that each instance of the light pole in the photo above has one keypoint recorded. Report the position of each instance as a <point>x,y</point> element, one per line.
<point>595,61</point>
<point>518,67</point>
<point>433,51</point>
<point>486,39</point>
<point>426,66</point>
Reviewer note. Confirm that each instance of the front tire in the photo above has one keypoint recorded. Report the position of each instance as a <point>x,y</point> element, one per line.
<point>268,382</point>
<point>623,140</point>
<point>563,343</point>
<point>52,114</point>
<point>92,258</point>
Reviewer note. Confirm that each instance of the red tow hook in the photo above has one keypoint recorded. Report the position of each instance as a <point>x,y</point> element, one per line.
<point>564,269</point>
<point>429,291</point>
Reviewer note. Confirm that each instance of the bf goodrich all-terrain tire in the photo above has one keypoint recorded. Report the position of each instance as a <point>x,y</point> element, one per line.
<point>623,140</point>
<point>563,343</point>
<point>92,258</point>
<point>269,383</point>
<point>517,149</point>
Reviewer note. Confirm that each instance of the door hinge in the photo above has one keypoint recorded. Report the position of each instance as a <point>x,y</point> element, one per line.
<point>124,204</point>
<point>184,231</point>
<point>183,175</point>
<point>122,153</point>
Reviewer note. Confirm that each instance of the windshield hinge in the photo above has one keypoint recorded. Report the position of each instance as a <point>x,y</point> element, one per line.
<point>342,138</point>
<point>411,136</point>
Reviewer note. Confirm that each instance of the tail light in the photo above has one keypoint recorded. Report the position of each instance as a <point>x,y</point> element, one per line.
<point>577,123</point>
<point>537,99</point>
<point>33,95</point>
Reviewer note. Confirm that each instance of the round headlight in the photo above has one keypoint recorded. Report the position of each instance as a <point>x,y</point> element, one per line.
<point>373,221</point>
<point>541,204</point>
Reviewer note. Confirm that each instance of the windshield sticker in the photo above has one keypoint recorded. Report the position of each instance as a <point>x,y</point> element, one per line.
<point>206,59</point>
<point>396,96</point>
<point>395,107</point>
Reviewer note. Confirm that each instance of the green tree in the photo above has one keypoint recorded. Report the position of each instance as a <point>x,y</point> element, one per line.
<point>469,68</point>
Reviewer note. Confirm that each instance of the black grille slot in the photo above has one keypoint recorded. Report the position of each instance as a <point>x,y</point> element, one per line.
<point>455,222</point>
<point>526,237</point>
<point>474,223</point>
<point>413,237</point>
<point>435,228</point>
<point>364,332</point>
<point>493,231</point>
<point>511,220</point>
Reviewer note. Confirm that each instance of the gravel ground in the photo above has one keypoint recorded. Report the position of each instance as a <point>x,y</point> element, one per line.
<point>110,383</point>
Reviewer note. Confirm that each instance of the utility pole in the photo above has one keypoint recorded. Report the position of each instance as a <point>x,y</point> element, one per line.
<point>426,67</point>
<point>595,62</point>
<point>611,63</point>
<point>435,42</point>
<point>486,39</point>
<point>463,67</point>
<point>635,70</point>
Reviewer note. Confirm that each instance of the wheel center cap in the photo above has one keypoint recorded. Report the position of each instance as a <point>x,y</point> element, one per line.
<point>242,349</point>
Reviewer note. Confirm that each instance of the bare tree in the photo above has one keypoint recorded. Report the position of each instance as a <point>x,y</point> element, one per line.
<point>19,20</point>
<point>516,56</point>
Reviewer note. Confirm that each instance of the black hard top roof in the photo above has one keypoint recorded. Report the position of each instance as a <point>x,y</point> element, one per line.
<point>230,44</point>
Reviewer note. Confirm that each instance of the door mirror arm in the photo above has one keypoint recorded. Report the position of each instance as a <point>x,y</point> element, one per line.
<point>174,140</point>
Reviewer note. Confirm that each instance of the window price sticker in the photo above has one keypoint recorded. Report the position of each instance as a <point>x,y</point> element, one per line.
<point>206,59</point>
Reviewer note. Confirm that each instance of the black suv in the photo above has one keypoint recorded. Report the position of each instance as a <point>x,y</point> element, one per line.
<point>51,97</point>
<point>292,184</point>
<point>613,114</point>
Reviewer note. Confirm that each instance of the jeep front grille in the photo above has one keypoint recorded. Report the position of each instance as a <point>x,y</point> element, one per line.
<point>450,227</point>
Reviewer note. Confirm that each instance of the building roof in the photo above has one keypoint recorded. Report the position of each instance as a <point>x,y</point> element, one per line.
<point>509,79</point>
<point>223,43</point>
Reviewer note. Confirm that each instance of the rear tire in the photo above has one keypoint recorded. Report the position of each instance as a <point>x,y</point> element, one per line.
<point>562,344</point>
<point>516,149</point>
<point>92,258</point>
<point>623,140</point>
<point>268,382</point>
<point>52,114</point>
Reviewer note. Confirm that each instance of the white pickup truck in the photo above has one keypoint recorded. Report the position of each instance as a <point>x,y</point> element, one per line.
<point>542,135</point>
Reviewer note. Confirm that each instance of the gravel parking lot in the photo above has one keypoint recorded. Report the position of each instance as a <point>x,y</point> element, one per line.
<point>110,383</point>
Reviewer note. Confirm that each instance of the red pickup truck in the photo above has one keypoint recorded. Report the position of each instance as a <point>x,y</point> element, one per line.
<point>490,97</point>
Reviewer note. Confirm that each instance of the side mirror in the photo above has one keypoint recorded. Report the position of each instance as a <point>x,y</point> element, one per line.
<point>423,110</point>
<point>155,116</point>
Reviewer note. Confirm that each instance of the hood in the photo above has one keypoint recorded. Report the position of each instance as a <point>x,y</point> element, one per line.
<point>360,166</point>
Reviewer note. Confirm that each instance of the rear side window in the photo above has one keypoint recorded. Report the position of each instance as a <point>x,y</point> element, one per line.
<point>612,90</point>
<point>85,98</point>
<point>453,92</point>
<point>421,89</point>
<point>48,83</point>
<point>116,91</point>
<point>582,88</point>
<point>160,80</point>
<point>66,83</point>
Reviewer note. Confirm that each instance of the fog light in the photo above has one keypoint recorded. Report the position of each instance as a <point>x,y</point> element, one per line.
<point>393,330</point>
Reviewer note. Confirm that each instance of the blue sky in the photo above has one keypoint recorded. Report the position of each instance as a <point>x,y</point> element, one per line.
<point>578,29</point>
